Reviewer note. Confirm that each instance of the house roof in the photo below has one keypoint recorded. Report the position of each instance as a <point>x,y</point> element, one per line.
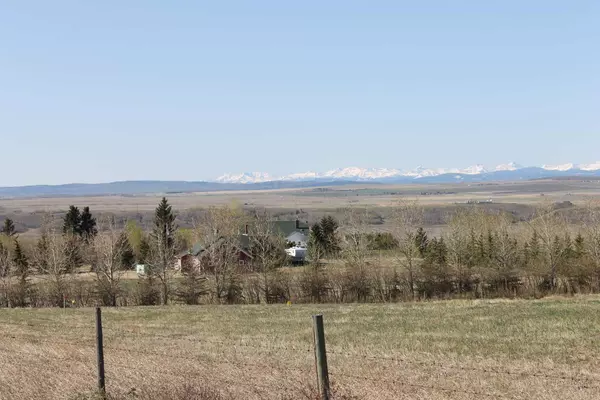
<point>296,229</point>
<point>243,245</point>
<point>286,228</point>
<point>297,237</point>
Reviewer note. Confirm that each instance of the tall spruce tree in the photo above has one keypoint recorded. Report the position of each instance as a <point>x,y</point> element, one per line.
<point>125,250</point>
<point>329,227</point>
<point>87,225</point>
<point>72,221</point>
<point>164,223</point>
<point>163,248</point>
<point>422,242</point>
<point>23,287</point>
<point>9,227</point>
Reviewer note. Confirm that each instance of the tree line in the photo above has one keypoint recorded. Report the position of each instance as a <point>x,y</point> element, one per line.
<point>478,254</point>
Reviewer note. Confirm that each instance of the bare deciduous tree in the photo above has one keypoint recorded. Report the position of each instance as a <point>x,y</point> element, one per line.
<point>457,238</point>
<point>506,252</point>
<point>408,217</point>
<point>57,269</point>
<point>355,244</point>
<point>109,252</point>
<point>218,232</point>
<point>550,226</point>
<point>591,231</point>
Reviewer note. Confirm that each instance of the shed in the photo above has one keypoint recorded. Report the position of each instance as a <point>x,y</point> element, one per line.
<point>141,269</point>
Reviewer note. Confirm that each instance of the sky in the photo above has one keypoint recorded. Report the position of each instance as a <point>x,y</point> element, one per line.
<point>188,90</point>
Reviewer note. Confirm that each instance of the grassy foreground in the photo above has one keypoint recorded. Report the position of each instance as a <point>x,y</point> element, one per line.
<point>544,349</point>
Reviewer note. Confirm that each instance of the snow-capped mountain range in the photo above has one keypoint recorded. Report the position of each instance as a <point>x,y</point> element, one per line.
<point>477,172</point>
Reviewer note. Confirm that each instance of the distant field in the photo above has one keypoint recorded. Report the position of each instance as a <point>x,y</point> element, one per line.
<point>310,204</point>
<point>546,349</point>
<point>332,197</point>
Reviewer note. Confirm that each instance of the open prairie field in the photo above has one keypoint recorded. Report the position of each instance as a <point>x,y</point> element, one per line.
<point>544,349</point>
<point>373,195</point>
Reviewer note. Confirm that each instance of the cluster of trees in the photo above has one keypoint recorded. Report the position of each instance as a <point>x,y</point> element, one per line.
<point>324,240</point>
<point>109,249</point>
<point>485,254</point>
<point>478,254</point>
<point>53,257</point>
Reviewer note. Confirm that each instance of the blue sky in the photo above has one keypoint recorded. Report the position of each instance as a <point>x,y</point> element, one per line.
<point>115,90</point>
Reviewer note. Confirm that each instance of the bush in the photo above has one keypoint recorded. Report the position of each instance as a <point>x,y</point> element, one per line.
<point>191,288</point>
<point>314,284</point>
<point>148,292</point>
<point>382,241</point>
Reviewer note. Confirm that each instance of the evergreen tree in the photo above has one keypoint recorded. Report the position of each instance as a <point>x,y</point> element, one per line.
<point>5,278</point>
<point>20,261</point>
<point>329,227</point>
<point>72,252</point>
<point>324,233</point>
<point>315,245</point>
<point>87,224</point>
<point>441,253</point>
<point>72,221</point>
<point>191,287</point>
<point>5,261</point>
<point>144,251</point>
<point>492,239</point>
<point>125,250</point>
<point>23,287</point>
<point>42,250</point>
<point>163,249</point>
<point>422,242</point>
<point>9,227</point>
<point>472,253</point>
<point>534,246</point>
<point>164,224</point>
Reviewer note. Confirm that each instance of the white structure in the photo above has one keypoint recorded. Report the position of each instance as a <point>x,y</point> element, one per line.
<point>297,254</point>
<point>140,269</point>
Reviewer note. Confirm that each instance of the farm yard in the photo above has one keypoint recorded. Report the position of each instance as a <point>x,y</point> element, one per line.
<point>496,349</point>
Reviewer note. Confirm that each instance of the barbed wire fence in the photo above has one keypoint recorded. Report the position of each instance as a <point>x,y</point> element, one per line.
<point>321,372</point>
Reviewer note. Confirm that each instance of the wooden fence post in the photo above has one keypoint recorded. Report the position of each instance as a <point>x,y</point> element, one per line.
<point>100,353</point>
<point>321,357</point>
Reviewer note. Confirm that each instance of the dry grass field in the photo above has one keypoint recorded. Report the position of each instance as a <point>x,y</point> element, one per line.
<point>371,195</point>
<point>544,349</point>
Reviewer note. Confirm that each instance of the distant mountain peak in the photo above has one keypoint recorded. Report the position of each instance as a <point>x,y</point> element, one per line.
<point>246,177</point>
<point>511,166</point>
<point>561,167</point>
<point>391,174</point>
